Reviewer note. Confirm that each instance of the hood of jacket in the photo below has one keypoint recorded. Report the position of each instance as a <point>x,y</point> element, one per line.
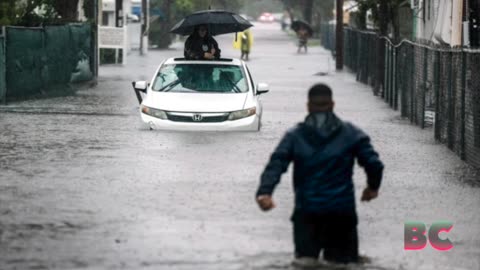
<point>322,124</point>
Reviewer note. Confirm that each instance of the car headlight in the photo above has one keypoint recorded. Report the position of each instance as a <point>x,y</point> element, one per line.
<point>154,112</point>
<point>242,114</point>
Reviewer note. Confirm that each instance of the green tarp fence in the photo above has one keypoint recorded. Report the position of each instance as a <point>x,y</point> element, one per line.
<point>42,61</point>
<point>3,86</point>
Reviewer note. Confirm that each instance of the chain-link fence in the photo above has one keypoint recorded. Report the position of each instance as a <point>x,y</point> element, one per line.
<point>327,35</point>
<point>45,60</point>
<point>361,54</point>
<point>431,86</point>
<point>3,87</point>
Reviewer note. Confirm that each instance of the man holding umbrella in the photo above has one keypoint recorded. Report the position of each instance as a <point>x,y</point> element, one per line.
<point>303,36</point>
<point>304,31</point>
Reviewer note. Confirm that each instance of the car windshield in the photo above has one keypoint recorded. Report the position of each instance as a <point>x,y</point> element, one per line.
<point>200,78</point>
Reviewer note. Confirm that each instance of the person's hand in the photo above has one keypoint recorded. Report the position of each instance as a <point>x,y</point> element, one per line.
<point>265,202</point>
<point>369,194</point>
<point>208,55</point>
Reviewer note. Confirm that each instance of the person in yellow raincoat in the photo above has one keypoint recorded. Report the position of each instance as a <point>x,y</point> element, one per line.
<point>244,42</point>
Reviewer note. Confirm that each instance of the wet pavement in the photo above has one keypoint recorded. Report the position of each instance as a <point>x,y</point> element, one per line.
<point>85,185</point>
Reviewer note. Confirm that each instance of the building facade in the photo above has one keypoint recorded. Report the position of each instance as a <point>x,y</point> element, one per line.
<point>448,22</point>
<point>107,12</point>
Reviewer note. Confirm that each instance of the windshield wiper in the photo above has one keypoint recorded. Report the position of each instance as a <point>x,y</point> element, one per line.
<point>235,87</point>
<point>169,86</point>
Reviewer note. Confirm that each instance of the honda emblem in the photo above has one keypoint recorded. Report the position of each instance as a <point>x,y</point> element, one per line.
<point>197,117</point>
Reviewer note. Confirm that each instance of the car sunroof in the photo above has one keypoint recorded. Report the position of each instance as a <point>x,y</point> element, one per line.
<point>220,60</point>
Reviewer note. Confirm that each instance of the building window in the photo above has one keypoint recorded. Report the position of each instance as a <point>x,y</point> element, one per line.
<point>104,18</point>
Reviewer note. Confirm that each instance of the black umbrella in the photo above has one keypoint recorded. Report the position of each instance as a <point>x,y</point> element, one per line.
<point>297,24</point>
<point>217,21</point>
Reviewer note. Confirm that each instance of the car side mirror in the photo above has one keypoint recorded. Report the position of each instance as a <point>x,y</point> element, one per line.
<point>262,88</point>
<point>140,86</point>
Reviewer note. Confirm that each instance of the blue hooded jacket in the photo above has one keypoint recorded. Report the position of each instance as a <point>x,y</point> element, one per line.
<point>323,150</point>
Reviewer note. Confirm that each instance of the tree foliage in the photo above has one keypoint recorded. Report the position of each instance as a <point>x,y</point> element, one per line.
<point>8,12</point>
<point>313,11</point>
<point>89,9</point>
<point>386,19</point>
<point>38,12</point>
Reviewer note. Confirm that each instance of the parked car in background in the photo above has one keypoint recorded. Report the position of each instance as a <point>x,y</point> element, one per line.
<point>133,18</point>
<point>266,17</point>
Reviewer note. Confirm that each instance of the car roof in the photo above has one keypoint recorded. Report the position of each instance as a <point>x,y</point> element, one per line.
<point>221,61</point>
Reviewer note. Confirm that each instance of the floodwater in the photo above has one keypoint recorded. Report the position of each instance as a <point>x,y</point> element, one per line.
<point>85,185</point>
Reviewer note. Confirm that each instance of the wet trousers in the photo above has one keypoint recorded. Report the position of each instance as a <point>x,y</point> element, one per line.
<point>334,233</point>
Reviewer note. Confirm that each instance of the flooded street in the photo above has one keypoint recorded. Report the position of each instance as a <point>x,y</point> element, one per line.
<point>85,185</point>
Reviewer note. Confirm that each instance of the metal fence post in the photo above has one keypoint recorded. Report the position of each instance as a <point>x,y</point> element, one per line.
<point>392,75</point>
<point>3,57</point>
<point>412,84</point>
<point>463,110</point>
<point>450,97</point>
<point>339,36</point>
<point>424,88</point>
<point>395,85</point>
<point>345,48</point>
<point>359,53</point>
<point>95,55</point>
<point>436,85</point>
<point>387,71</point>
<point>404,75</point>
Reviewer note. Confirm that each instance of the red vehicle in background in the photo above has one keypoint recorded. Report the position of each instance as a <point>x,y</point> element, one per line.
<point>266,17</point>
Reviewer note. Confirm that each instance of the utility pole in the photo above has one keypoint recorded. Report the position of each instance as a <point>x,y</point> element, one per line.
<point>383,24</point>
<point>118,13</point>
<point>339,36</point>
<point>457,13</point>
<point>143,29</point>
<point>118,22</point>
<point>96,54</point>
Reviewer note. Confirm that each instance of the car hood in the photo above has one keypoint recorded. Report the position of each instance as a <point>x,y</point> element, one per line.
<point>193,102</point>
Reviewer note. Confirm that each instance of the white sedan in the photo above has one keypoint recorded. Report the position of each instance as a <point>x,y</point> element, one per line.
<point>201,95</point>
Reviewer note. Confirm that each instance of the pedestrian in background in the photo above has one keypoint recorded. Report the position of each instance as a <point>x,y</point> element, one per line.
<point>244,42</point>
<point>285,20</point>
<point>323,149</point>
<point>303,36</point>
